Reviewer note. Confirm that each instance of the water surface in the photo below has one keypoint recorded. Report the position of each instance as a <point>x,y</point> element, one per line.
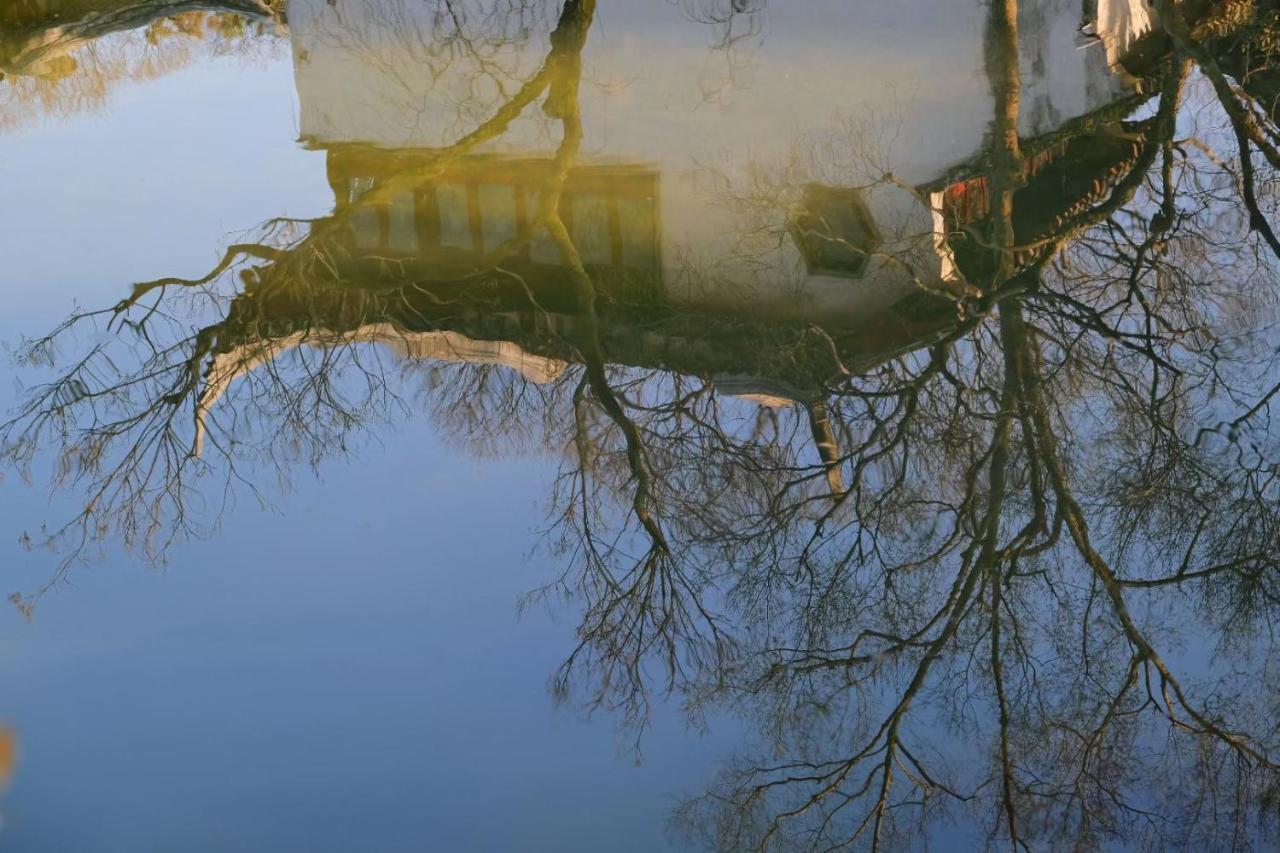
<point>602,425</point>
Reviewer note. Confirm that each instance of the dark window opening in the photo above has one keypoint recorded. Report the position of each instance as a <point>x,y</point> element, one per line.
<point>834,231</point>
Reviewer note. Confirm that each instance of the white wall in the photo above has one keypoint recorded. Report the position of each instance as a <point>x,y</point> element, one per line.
<point>832,91</point>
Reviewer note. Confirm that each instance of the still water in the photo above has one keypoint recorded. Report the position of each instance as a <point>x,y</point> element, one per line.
<point>639,425</point>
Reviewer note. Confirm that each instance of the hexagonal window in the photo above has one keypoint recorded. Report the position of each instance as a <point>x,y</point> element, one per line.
<point>834,231</point>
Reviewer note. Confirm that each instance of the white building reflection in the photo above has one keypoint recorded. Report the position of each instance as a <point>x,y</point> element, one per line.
<point>800,173</point>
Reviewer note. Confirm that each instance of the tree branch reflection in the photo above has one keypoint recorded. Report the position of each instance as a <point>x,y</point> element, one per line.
<point>958,573</point>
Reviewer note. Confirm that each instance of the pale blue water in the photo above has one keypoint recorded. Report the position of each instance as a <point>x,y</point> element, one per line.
<point>346,672</point>
<point>804,434</point>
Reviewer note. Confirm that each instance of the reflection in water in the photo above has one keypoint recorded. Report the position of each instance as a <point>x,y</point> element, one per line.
<point>930,434</point>
<point>59,57</point>
<point>8,756</point>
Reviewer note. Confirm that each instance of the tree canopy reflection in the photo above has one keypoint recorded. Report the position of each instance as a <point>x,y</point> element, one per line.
<point>60,57</point>
<point>1003,553</point>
